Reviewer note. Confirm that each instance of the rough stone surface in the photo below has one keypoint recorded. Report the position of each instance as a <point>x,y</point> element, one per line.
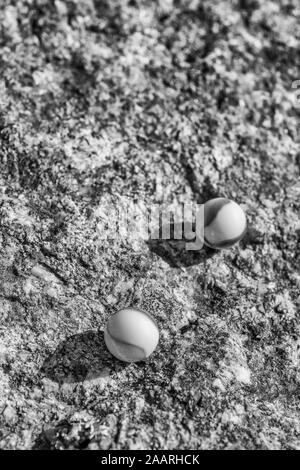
<point>158,101</point>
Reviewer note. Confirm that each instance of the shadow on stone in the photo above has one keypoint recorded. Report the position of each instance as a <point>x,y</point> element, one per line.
<point>174,251</point>
<point>80,357</point>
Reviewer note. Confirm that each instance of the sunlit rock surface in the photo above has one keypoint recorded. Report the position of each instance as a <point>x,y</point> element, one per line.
<point>186,100</point>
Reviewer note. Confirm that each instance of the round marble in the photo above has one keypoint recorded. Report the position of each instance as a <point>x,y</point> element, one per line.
<point>131,335</point>
<point>224,223</point>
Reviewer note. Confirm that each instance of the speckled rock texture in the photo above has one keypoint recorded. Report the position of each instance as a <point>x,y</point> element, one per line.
<point>151,101</point>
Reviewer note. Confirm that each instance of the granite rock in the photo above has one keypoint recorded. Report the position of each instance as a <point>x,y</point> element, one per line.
<point>153,101</point>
